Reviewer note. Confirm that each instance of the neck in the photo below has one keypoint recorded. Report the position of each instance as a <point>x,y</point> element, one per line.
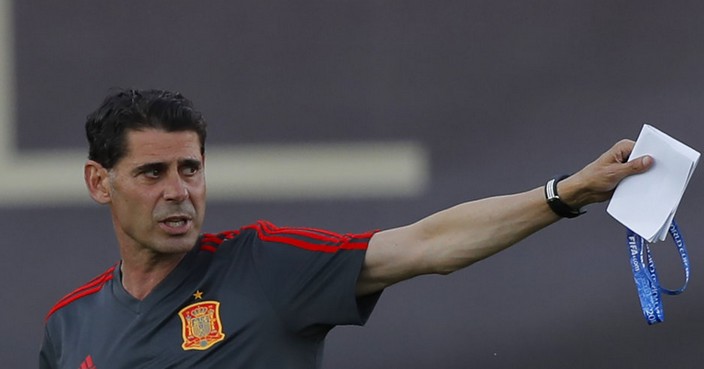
<point>139,278</point>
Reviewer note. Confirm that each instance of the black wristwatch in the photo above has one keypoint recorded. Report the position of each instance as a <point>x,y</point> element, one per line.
<point>555,203</point>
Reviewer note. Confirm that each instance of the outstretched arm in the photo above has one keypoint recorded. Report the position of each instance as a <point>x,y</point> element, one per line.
<point>459,236</point>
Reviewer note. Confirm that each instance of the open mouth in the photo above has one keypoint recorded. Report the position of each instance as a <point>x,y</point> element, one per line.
<point>176,224</point>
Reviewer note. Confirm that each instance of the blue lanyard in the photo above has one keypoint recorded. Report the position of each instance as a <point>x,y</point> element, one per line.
<point>646,277</point>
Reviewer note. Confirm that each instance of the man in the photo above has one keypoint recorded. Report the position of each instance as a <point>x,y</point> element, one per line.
<point>260,296</point>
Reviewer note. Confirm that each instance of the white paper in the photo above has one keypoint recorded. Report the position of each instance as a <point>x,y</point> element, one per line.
<point>646,203</point>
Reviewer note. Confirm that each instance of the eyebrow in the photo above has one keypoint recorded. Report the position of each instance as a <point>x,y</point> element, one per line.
<point>161,166</point>
<point>194,163</point>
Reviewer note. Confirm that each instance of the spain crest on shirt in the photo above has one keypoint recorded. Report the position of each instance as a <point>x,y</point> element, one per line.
<point>202,326</point>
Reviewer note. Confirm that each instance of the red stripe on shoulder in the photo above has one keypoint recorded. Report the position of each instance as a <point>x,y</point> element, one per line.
<point>210,242</point>
<point>93,286</point>
<point>311,239</point>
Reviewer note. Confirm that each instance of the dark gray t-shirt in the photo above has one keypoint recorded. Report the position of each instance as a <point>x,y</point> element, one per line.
<point>259,297</point>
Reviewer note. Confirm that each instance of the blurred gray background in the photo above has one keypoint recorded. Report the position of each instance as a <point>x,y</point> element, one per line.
<point>501,95</point>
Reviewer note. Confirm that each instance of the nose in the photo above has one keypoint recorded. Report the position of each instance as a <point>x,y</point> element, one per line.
<point>175,189</point>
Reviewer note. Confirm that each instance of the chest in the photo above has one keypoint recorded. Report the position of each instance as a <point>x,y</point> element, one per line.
<point>202,324</point>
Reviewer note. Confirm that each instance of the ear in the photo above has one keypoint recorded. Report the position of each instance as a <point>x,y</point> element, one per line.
<point>96,177</point>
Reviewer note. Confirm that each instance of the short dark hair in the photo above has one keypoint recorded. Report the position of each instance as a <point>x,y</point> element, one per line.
<point>131,109</point>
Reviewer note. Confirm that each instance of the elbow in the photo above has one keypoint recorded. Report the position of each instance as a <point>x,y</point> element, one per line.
<point>437,251</point>
<point>443,257</point>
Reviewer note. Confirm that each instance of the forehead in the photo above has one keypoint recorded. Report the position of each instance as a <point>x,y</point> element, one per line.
<point>155,145</point>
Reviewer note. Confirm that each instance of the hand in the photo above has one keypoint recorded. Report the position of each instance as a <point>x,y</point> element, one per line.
<point>596,182</point>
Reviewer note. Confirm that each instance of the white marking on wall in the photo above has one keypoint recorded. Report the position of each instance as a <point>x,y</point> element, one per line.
<point>242,172</point>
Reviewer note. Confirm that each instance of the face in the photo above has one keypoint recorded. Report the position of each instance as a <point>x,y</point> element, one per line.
<point>157,192</point>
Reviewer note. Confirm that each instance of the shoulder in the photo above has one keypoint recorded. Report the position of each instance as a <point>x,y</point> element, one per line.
<point>311,239</point>
<point>267,233</point>
<point>92,287</point>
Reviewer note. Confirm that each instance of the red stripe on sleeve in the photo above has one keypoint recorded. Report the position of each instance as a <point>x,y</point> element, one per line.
<point>310,238</point>
<point>210,242</point>
<point>93,286</point>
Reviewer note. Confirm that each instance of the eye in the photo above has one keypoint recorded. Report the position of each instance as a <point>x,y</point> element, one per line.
<point>190,170</point>
<point>152,173</point>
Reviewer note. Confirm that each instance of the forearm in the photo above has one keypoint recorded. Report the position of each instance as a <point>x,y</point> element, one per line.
<point>453,238</point>
<point>469,232</point>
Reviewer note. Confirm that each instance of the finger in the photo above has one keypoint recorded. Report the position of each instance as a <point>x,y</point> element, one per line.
<point>640,164</point>
<point>622,150</point>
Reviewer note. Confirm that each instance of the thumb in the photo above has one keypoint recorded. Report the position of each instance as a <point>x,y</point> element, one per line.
<point>640,164</point>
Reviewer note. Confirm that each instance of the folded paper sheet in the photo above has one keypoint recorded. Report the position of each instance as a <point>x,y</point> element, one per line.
<point>646,203</point>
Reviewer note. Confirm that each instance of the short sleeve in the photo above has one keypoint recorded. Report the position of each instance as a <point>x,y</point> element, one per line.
<point>310,275</point>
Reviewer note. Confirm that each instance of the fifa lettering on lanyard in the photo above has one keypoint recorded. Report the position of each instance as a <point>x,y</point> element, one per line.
<point>646,277</point>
